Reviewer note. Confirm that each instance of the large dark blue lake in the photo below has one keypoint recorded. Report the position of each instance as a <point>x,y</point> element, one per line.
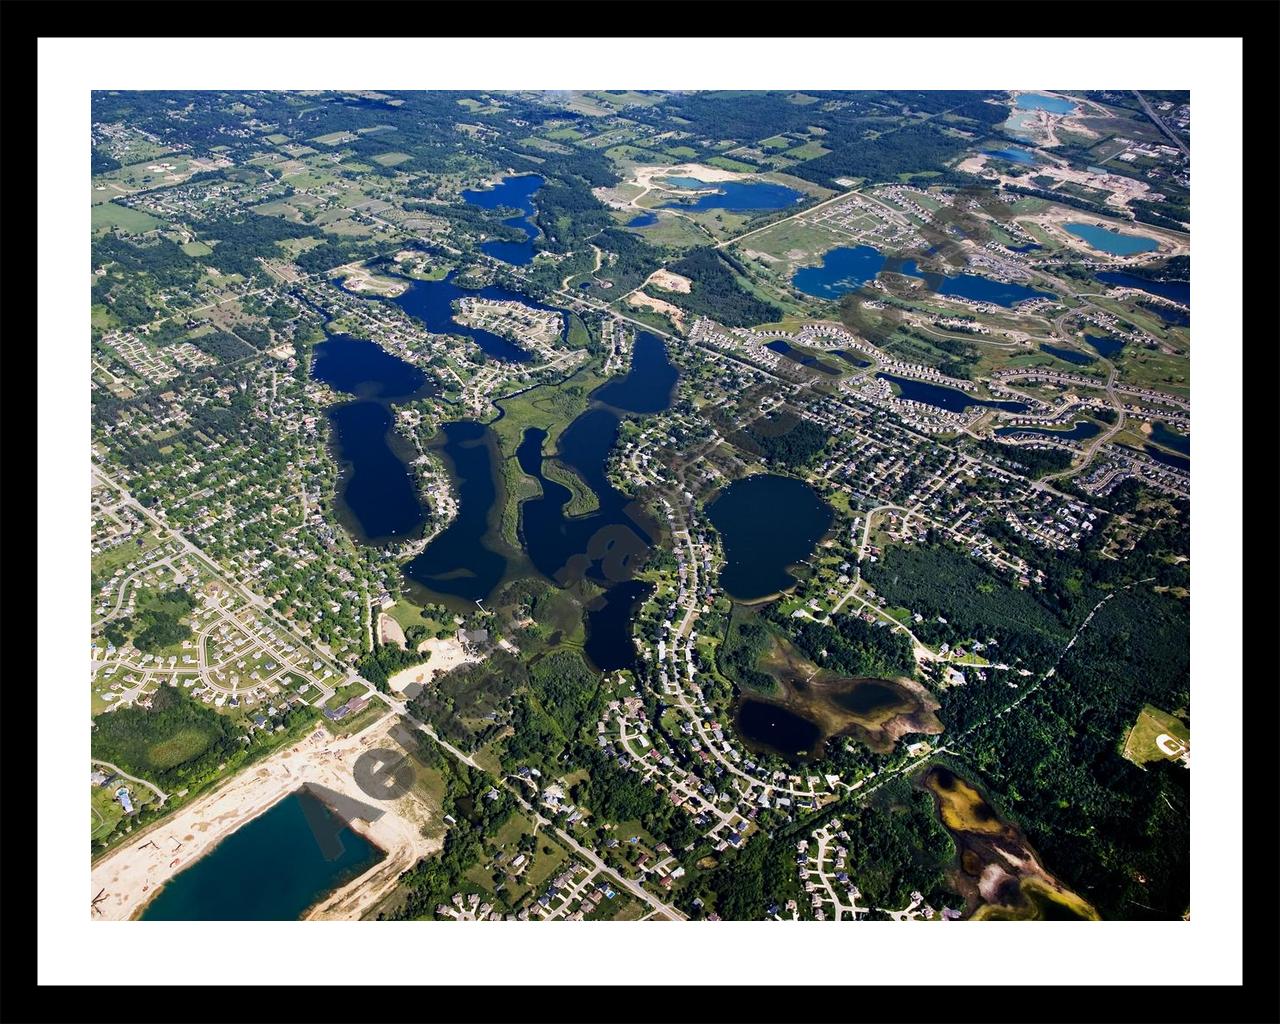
<point>649,381</point>
<point>844,269</point>
<point>1161,434</point>
<point>768,523</point>
<point>273,868</point>
<point>1068,355</point>
<point>735,196</point>
<point>514,192</point>
<point>975,287</point>
<point>1168,458</point>
<point>608,545</point>
<point>465,559</point>
<point>1106,345</point>
<point>432,303</point>
<point>609,644</point>
<point>951,399</point>
<point>377,499</point>
<point>803,358</point>
<point>772,727</point>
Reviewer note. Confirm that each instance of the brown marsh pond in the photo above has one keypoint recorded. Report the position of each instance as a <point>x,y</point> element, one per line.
<point>997,871</point>
<point>811,705</point>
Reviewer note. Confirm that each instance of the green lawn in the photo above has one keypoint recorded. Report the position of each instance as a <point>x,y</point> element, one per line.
<point>106,216</point>
<point>1140,745</point>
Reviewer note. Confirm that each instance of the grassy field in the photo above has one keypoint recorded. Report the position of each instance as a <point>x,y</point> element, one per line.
<point>584,500</point>
<point>391,159</point>
<point>1140,744</point>
<point>808,151</point>
<point>106,216</point>
<point>104,565</point>
<point>672,232</point>
<point>334,138</point>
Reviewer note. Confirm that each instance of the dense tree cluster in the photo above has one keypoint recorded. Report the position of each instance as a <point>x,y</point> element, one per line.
<point>176,742</point>
<point>1032,462</point>
<point>941,582</point>
<point>716,291</point>
<point>794,448</point>
<point>745,641</point>
<point>467,705</point>
<point>1115,833</point>
<point>854,647</point>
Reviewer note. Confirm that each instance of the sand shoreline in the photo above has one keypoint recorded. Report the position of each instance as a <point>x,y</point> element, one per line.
<point>130,876</point>
<point>443,655</point>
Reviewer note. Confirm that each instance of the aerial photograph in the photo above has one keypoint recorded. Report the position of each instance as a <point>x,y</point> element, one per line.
<point>639,505</point>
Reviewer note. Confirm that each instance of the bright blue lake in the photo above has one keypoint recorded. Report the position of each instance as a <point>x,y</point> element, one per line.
<point>847,269</point>
<point>1013,155</point>
<point>273,868</point>
<point>642,220</point>
<point>843,270</point>
<point>514,192</point>
<point>735,195</point>
<point>1113,242</point>
<point>951,399</point>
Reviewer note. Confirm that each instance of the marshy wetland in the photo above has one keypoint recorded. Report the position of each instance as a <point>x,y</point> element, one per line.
<point>810,705</point>
<point>996,870</point>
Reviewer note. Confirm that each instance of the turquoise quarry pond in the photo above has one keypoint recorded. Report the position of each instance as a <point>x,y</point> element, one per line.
<point>1013,154</point>
<point>1022,114</point>
<point>735,196</point>
<point>271,869</point>
<point>1109,241</point>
